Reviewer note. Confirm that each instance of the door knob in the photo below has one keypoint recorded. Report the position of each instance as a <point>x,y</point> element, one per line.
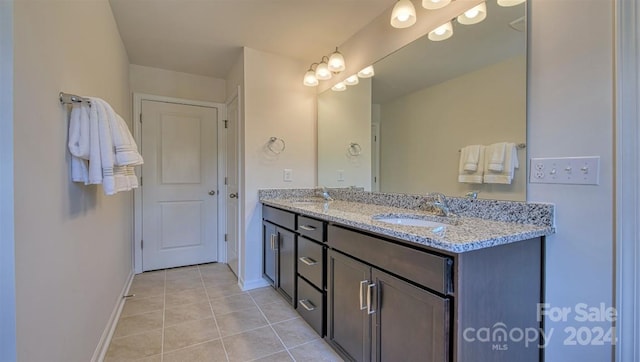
<point>212,192</point>
<point>233,196</point>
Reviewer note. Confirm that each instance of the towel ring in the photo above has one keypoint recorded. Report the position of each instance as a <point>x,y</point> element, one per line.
<point>354,149</point>
<point>276,145</point>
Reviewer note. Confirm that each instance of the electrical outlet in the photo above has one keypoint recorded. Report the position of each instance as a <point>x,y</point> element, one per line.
<point>565,170</point>
<point>288,175</point>
<point>340,175</point>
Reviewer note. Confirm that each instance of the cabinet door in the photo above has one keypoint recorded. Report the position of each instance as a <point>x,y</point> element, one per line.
<point>348,324</point>
<point>411,324</point>
<point>287,263</point>
<point>269,252</point>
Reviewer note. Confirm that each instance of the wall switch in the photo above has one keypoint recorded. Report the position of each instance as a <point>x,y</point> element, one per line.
<point>340,175</point>
<point>565,170</point>
<point>288,175</point>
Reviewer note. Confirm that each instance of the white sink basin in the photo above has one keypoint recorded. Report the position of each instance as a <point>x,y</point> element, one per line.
<point>409,221</point>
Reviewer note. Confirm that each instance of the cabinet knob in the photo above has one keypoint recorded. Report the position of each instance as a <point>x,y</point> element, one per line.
<point>212,192</point>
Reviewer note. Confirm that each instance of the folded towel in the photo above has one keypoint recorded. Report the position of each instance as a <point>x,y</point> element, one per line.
<point>470,156</point>
<point>471,176</point>
<point>496,156</point>
<point>79,136</point>
<point>126,149</point>
<point>510,164</point>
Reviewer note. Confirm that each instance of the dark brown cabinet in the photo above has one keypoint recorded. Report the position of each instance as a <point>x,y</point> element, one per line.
<point>279,251</point>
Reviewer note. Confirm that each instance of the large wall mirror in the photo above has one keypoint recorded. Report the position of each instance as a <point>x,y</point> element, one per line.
<point>402,130</point>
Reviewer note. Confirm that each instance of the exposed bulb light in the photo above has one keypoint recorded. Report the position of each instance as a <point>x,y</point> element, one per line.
<point>322,71</point>
<point>367,72</point>
<point>474,15</point>
<point>339,87</point>
<point>310,79</point>
<point>403,14</point>
<point>336,62</point>
<point>507,3</point>
<point>444,31</point>
<point>435,4</point>
<point>352,80</point>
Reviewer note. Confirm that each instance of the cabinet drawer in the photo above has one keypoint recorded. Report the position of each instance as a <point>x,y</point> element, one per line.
<point>311,305</point>
<point>430,270</point>
<point>279,217</point>
<point>311,261</point>
<point>311,228</point>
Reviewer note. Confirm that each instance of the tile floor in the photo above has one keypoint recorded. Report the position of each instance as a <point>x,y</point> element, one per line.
<point>198,313</point>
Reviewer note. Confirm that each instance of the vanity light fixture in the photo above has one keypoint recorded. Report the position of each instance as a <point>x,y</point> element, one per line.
<point>339,87</point>
<point>352,80</point>
<point>435,4</point>
<point>322,70</point>
<point>444,31</point>
<point>310,79</point>
<point>336,62</point>
<point>474,15</point>
<point>507,3</point>
<point>403,14</point>
<point>367,72</point>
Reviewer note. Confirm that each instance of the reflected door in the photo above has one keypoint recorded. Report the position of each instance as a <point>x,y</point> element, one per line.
<point>179,190</point>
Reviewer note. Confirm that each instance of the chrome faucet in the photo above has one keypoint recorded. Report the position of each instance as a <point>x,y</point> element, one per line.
<point>325,194</point>
<point>441,204</point>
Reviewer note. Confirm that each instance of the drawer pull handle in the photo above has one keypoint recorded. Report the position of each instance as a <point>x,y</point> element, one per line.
<point>362,284</point>
<point>306,304</point>
<point>369,297</point>
<point>308,261</point>
<point>274,239</point>
<point>307,227</point>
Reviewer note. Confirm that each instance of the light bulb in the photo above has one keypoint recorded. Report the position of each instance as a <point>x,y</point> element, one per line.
<point>444,31</point>
<point>310,79</point>
<point>403,14</point>
<point>323,72</point>
<point>367,72</point>
<point>435,4</point>
<point>352,80</point>
<point>507,3</point>
<point>440,30</point>
<point>474,15</point>
<point>336,62</point>
<point>339,87</point>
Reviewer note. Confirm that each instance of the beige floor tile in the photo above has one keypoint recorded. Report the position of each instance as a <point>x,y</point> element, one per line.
<point>278,311</point>
<point>223,290</point>
<point>225,305</point>
<point>265,295</point>
<point>135,347</point>
<point>317,350</point>
<point>209,352</point>
<point>137,305</point>
<point>189,296</point>
<point>156,358</point>
<point>152,275</point>
<point>186,313</point>
<point>189,333</point>
<point>295,332</point>
<point>183,273</point>
<point>214,267</point>
<point>180,285</point>
<point>240,321</point>
<point>276,357</point>
<point>252,344</point>
<point>147,289</point>
<point>138,323</point>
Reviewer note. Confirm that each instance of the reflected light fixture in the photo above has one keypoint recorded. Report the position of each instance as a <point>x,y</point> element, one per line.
<point>352,80</point>
<point>339,87</point>
<point>442,32</point>
<point>322,70</point>
<point>336,62</point>
<point>435,4</point>
<point>367,72</point>
<point>474,15</point>
<point>403,14</point>
<point>310,79</point>
<point>507,3</point>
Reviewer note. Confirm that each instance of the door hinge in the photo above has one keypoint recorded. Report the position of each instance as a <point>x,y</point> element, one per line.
<point>141,244</point>
<point>226,123</point>
<point>226,237</point>
<point>226,181</point>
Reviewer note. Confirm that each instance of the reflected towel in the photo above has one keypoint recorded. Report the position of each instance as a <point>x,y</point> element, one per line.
<point>471,176</point>
<point>510,164</point>
<point>496,155</point>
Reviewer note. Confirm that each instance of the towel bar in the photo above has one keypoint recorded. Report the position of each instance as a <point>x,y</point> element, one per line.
<point>519,146</point>
<point>66,98</point>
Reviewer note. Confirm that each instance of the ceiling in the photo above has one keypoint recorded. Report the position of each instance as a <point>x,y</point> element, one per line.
<point>206,36</point>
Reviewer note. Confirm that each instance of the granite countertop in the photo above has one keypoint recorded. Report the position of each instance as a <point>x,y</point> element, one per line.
<point>460,233</point>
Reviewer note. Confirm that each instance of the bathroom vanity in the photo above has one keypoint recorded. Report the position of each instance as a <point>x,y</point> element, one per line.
<point>459,289</point>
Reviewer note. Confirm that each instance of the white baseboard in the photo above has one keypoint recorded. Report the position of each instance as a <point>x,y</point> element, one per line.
<point>107,334</point>
<point>252,284</point>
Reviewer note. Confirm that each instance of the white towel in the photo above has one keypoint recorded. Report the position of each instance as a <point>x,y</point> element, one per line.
<point>496,155</point>
<point>79,137</point>
<point>126,149</point>
<point>469,156</point>
<point>471,176</point>
<point>510,164</point>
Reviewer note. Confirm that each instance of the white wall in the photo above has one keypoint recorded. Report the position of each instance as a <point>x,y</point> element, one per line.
<point>571,114</point>
<point>276,104</point>
<point>73,245</point>
<point>343,118</point>
<point>421,133</point>
<point>7,261</point>
<point>168,83</point>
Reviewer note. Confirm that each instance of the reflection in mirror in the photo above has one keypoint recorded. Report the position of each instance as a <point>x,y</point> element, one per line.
<point>426,102</point>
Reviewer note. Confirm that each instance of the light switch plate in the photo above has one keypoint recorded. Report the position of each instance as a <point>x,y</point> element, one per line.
<point>565,170</point>
<point>288,175</point>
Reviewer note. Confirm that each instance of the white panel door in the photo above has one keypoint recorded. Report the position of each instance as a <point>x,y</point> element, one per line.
<point>179,185</point>
<point>232,212</point>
